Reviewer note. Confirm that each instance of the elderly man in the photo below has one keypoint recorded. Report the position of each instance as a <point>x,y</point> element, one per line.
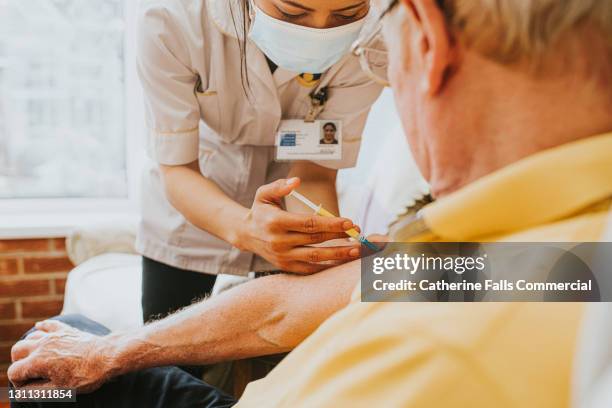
<point>507,106</point>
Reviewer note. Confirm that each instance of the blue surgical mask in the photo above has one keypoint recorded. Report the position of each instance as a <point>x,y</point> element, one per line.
<point>301,49</point>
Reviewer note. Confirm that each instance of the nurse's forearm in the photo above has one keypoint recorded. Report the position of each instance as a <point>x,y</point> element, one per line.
<point>266,316</point>
<point>197,198</point>
<point>318,184</point>
<point>265,229</point>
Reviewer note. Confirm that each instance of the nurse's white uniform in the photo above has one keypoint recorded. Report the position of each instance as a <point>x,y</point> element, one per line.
<point>196,108</point>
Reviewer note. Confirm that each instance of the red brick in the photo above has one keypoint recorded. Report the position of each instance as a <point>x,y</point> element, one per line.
<point>7,310</point>
<point>8,266</point>
<point>59,244</point>
<point>4,383</point>
<point>5,354</point>
<point>47,264</point>
<point>60,286</point>
<point>24,245</point>
<point>24,288</point>
<point>41,308</point>
<point>13,331</point>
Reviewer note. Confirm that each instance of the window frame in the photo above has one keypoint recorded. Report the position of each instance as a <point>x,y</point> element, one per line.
<point>41,217</point>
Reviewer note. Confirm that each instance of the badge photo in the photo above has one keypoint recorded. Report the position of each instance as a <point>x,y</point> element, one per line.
<point>329,133</point>
<point>300,140</point>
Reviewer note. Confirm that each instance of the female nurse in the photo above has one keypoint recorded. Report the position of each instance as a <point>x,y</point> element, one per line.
<point>220,78</point>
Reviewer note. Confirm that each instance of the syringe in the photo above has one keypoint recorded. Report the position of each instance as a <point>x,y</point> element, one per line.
<point>318,209</point>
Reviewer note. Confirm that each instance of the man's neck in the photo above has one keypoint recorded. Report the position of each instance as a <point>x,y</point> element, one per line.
<point>513,118</point>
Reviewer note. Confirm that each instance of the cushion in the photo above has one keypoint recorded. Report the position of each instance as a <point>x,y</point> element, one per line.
<point>107,289</point>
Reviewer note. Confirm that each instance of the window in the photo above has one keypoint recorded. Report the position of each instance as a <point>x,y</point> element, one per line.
<point>71,120</point>
<point>63,119</point>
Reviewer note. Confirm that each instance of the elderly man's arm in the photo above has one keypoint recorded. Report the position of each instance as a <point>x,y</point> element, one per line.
<point>265,316</point>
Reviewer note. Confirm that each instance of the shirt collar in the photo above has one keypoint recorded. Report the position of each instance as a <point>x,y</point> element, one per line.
<point>224,13</point>
<point>542,188</point>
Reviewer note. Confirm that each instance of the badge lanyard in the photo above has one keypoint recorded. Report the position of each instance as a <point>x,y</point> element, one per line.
<point>318,99</point>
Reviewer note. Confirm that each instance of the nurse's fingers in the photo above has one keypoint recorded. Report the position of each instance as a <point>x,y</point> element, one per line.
<point>293,239</point>
<point>316,255</point>
<point>312,224</point>
<point>274,192</point>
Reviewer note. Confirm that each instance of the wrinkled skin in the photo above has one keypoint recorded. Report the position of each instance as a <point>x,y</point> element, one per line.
<point>58,355</point>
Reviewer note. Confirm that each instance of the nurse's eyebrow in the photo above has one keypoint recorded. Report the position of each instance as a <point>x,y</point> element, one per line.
<point>303,7</point>
<point>298,5</point>
<point>354,6</point>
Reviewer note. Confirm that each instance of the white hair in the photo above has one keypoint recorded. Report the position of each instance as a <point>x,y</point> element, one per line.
<point>518,30</point>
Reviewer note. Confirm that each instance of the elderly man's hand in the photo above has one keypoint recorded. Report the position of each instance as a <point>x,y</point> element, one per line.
<point>60,356</point>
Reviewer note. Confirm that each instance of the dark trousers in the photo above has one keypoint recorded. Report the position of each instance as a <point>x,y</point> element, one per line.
<point>152,388</point>
<point>166,289</point>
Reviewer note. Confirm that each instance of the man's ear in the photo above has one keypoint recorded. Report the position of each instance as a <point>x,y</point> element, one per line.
<point>435,43</point>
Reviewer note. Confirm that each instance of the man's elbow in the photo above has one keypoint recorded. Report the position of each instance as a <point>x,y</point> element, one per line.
<point>283,331</point>
<point>286,324</point>
<point>290,322</point>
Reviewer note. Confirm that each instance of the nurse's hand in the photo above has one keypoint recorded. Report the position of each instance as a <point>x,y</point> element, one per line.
<point>281,237</point>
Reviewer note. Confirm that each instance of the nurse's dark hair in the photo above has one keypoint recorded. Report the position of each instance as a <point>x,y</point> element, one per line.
<point>241,30</point>
<point>332,124</point>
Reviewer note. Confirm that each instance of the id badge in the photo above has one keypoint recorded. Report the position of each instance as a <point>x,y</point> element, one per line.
<point>314,141</point>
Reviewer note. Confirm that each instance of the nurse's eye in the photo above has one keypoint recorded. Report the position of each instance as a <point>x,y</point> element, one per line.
<point>291,16</point>
<point>345,17</point>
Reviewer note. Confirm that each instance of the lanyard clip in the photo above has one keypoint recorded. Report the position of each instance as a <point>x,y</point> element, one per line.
<point>317,104</point>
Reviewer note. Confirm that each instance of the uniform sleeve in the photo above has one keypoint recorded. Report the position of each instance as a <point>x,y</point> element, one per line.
<point>171,108</point>
<point>351,96</point>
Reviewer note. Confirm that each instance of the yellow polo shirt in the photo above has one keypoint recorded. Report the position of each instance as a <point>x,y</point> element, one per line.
<point>462,355</point>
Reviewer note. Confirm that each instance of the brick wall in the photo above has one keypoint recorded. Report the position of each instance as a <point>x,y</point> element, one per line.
<point>32,278</point>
